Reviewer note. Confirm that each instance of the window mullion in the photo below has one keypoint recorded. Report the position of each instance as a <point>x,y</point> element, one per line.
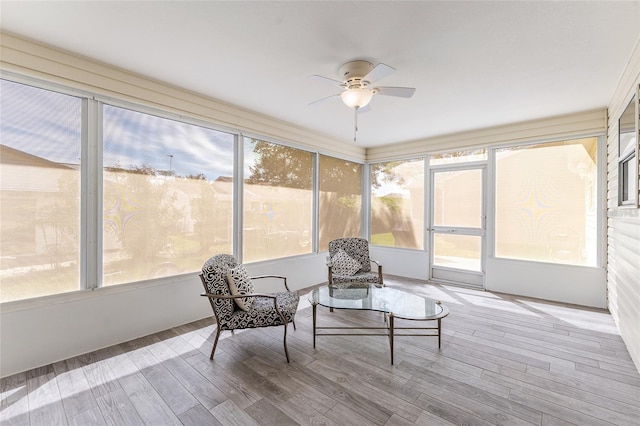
<point>91,269</point>
<point>238,199</point>
<point>366,202</point>
<point>315,229</point>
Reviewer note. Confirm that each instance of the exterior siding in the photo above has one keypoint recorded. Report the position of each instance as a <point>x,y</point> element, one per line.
<point>623,226</point>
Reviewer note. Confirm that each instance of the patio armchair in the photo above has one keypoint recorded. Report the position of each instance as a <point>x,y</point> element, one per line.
<point>349,263</point>
<point>235,304</point>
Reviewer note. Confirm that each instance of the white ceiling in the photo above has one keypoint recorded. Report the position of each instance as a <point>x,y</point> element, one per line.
<point>474,64</point>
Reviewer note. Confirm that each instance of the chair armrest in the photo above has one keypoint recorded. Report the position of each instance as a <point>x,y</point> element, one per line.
<point>379,270</point>
<point>268,276</point>
<point>284,279</point>
<point>330,274</point>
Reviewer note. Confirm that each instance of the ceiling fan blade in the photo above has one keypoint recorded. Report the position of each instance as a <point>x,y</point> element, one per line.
<point>322,100</point>
<point>378,73</point>
<point>326,80</point>
<point>403,92</point>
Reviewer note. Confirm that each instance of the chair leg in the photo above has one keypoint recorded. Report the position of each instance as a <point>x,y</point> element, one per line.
<point>294,324</point>
<point>286,352</point>
<point>215,343</point>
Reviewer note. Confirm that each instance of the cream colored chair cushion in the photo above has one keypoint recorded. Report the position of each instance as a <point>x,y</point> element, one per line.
<point>240,284</point>
<point>343,264</point>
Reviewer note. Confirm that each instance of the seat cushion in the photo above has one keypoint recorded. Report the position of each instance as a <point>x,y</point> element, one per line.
<point>240,284</point>
<point>263,312</point>
<point>343,264</point>
<point>354,280</point>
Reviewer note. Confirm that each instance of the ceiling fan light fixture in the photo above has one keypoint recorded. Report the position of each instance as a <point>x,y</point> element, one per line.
<point>357,98</point>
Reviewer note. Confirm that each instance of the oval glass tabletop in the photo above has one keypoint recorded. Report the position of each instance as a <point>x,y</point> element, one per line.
<point>377,298</point>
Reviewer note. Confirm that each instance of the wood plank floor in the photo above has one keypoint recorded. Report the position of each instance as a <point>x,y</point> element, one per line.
<point>504,360</point>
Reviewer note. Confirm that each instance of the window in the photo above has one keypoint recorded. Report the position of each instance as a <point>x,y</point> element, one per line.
<point>397,204</point>
<point>39,192</point>
<point>546,202</point>
<point>167,195</point>
<point>277,201</point>
<point>340,199</point>
<point>627,157</point>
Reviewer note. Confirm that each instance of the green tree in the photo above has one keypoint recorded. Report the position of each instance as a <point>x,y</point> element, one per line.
<point>279,165</point>
<point>383,173</point>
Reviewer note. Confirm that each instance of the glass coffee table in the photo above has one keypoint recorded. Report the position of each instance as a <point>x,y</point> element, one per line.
<point>392,302</point>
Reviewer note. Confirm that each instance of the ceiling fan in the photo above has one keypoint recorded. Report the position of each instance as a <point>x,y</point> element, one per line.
<point>357,84</point>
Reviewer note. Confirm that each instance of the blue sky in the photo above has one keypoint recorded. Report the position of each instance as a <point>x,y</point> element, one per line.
<point>133,138</point>
<point>40,122</point>
<point>47,124</point>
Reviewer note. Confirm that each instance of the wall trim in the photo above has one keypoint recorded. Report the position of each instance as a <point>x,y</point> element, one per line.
<point>592,122</point>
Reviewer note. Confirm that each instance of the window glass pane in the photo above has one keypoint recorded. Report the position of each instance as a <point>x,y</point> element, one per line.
<point>397,204</point>
<point>546,202</point>
<point>629,180</point>
<point>40,192</point>
<point>627,130</point>
<point>278,201</point>
<point>457,251</point>
<point>168,196</point>
<point>340,199</point>
<point>453,157</point>
<point>458,198</point>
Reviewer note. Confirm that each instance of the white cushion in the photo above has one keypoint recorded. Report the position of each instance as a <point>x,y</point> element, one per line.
<point>343,264</point>
<point>240,284</point>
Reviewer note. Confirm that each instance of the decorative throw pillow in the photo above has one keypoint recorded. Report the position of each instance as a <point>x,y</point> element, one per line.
<point>240,284</point>
<point>343,264</point>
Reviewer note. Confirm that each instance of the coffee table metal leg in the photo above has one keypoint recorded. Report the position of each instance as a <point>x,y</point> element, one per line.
<point>314,305</point>
<point>391,335</point>
<point>439,333</point>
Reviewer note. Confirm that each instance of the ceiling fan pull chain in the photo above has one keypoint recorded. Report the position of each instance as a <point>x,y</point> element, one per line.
<point>355,130</point>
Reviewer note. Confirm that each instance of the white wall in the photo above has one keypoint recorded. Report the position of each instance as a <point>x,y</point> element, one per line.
<point>401,262</point>
<point>578,285</point>
<point>41,331</point>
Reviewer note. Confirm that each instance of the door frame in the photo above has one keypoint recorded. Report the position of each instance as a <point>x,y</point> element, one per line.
<point>475,279</point>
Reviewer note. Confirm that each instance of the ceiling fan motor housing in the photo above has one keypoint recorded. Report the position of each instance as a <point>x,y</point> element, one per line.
<point>353,72</point>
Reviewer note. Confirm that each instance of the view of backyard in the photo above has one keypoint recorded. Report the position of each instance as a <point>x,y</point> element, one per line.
<point>167,199</point>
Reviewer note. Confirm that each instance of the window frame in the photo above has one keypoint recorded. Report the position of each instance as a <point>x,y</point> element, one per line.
<point>318,193</point>
<point>628,156</point>
<point>84,281</point>
<point>170,120</point>
<point>600,196</point>
<point>368,206</point>
<point>240,252</point>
